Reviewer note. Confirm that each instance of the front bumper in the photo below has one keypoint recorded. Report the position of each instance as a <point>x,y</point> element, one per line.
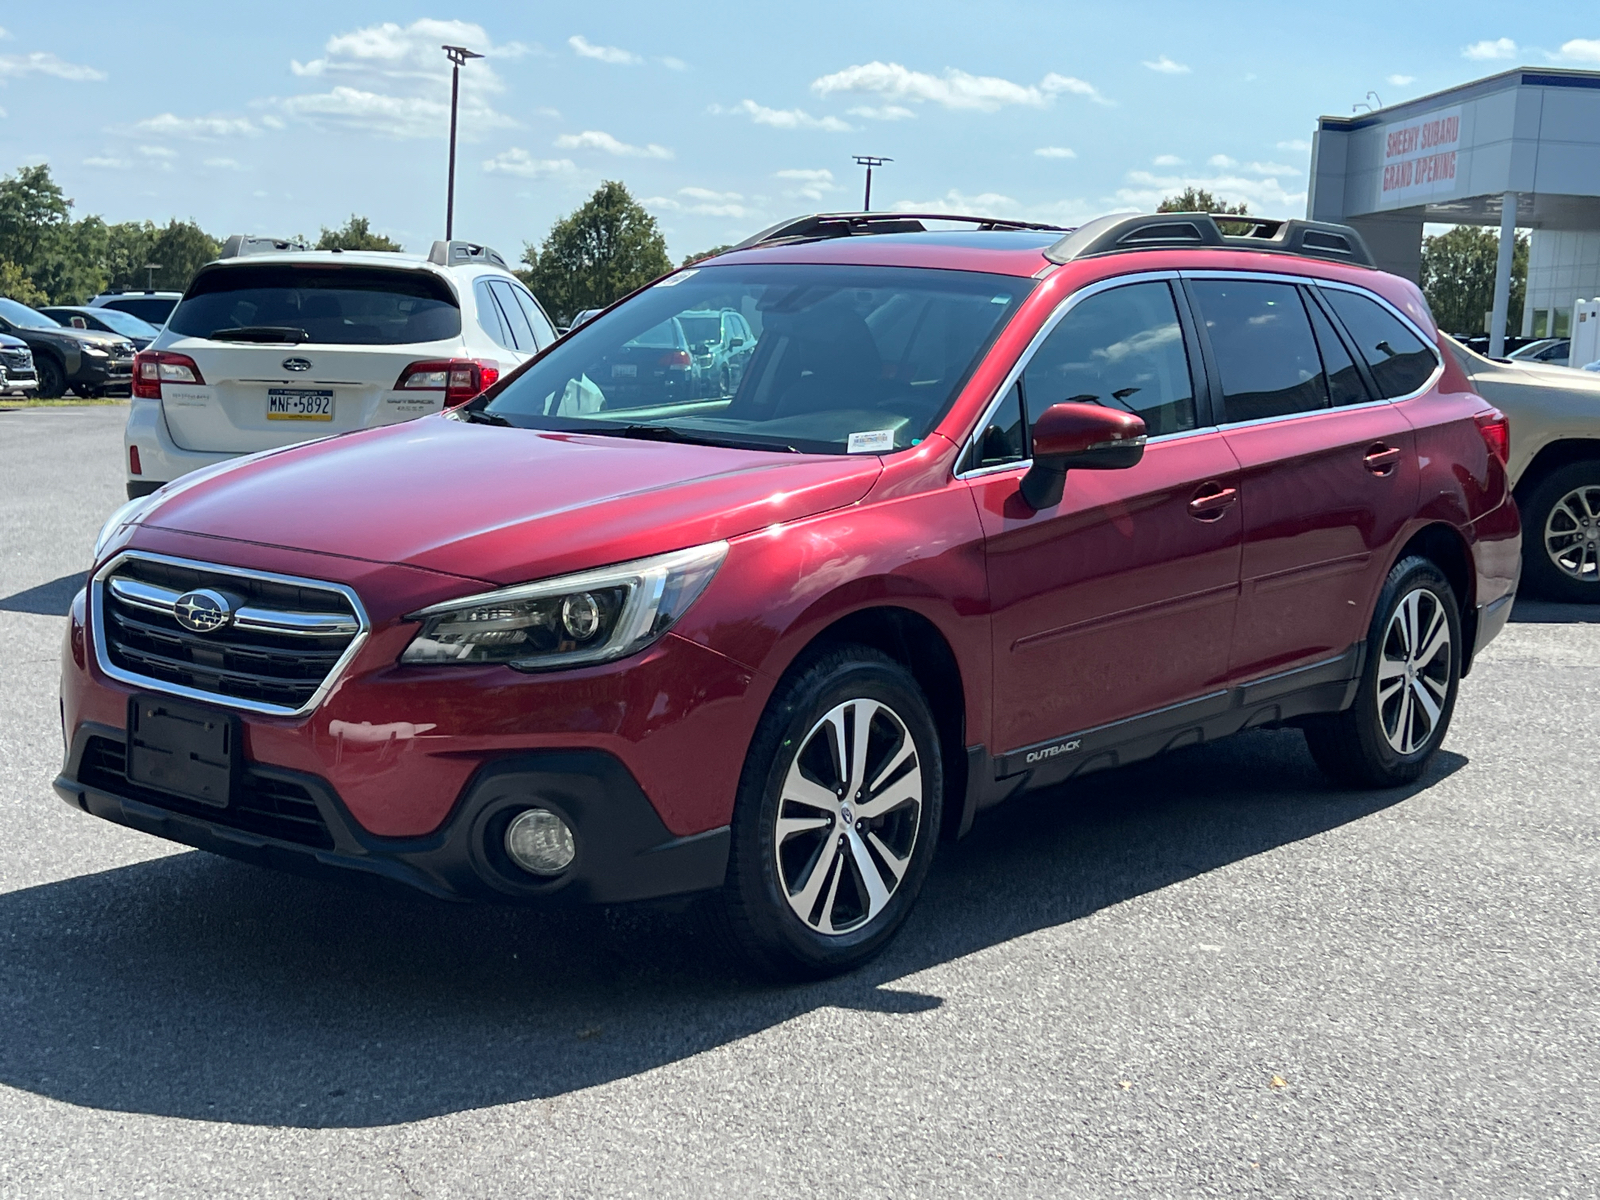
<point>296,822</point>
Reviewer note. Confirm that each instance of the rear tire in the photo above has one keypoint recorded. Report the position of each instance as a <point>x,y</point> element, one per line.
<point>52,379</point>
<point>1561,535</point>
<point>1407,690</point>
<point>837,817</point>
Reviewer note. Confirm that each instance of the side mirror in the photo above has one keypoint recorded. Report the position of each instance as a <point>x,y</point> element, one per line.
<point>1086,437</point>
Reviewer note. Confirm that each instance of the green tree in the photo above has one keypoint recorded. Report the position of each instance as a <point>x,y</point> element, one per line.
<point>705,254</point>
<point>15,285</point>
<point>33,214</point>
<point>1199,200</point>
<point>181,248</point>
<point>356,234</point>
<point>603,251</point>
<point>128,247</point>
<point>1458,269</point>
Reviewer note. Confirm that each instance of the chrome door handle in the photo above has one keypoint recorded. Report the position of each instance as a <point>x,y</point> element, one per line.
<point>1211,501</point>
<point>1381,459</point>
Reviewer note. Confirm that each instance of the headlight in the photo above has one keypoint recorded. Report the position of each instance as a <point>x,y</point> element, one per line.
<point>128,513</point>
<point>95,352</point>
<point>575,620</point>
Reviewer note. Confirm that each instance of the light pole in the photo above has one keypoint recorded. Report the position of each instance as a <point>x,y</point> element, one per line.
<point>150,276</point>
<point>458,55</point>
<point>869,161</point>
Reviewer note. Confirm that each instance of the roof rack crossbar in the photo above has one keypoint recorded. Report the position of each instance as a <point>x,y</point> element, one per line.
<point>821,226</point>
<point>1121,232</point>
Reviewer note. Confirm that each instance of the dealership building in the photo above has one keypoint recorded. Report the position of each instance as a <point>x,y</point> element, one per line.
<point>1518,150</point>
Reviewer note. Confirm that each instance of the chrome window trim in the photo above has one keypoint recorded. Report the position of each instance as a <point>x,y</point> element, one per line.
<point>1026,357</point>
<point>1316,281</point>
<point>102,658</point>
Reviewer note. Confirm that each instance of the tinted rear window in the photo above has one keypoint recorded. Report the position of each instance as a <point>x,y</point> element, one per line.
<point>1264,349</point>
<point>334,305</point>
<point>1400,361</point>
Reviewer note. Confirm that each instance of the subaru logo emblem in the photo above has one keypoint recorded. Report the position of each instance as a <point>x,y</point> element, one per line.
<point>297,364</point>
<point>203,611</point>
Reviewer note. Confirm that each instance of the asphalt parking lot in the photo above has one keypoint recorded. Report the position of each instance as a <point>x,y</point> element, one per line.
<point>1210,975</point>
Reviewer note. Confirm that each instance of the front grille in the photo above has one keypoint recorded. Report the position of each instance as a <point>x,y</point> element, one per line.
<point>18,364</point>
<point>273,808</point>
<point>271,658</point>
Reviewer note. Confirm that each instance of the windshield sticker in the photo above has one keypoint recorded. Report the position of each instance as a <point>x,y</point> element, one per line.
<point>1001,300</point>
<point>675,280</point>
<point>874,441</point>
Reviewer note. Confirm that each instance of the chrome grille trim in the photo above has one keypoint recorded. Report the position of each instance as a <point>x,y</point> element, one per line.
<point>153,598</point>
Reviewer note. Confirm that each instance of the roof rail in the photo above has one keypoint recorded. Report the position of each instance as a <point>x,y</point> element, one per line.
<point>821,226</point>
<point>452,254</point>
<point>240,244</point>
<point>1152,231</point>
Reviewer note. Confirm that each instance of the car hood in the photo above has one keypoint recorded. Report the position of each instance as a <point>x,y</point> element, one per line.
<point>62,334</point>
<point>504,505</point>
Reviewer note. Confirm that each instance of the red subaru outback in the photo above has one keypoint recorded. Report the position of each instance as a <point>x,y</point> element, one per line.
<point>958,515</point>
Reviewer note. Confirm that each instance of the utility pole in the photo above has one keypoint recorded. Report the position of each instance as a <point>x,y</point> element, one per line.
<point>458,56</point>
<point>869,161</point>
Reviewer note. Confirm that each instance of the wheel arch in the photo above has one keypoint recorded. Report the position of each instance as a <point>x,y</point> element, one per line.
<point>1443,545</point>
<point>1553,457</point>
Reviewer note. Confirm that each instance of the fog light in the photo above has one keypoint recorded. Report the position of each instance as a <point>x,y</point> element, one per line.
<point>540,842</point>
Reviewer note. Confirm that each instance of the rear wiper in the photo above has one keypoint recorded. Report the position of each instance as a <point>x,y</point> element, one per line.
<point>286,334</point>
<point>666,433</point>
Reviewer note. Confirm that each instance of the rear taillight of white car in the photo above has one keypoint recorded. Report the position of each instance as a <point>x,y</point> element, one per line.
<point>460,379</point>
<point>152,368</point>
<point>1496,431</point>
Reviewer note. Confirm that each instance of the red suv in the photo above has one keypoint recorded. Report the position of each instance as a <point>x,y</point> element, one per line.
<point>983,511</point>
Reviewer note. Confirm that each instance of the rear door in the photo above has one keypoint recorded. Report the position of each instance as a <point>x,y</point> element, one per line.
<point>1329,472</point>
<point>1120,600</point>
<point>289,351</point>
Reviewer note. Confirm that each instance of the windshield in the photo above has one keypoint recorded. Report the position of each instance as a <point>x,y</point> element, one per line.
<point>842,359</point>
<point>126,323</point>
<point>330,304</point>
<point>23,316</point>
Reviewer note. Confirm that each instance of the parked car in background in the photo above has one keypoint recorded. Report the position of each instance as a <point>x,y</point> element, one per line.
<point>272,346</point>
<point>584,314</point>
<point>107,320</point>
<point>154,307</point>
<point>721,342</point>
<point>17,376</point>
<point>86,361</point>
<point>989,510</point>
<point>1550,351</point>
<point>1554,467</point>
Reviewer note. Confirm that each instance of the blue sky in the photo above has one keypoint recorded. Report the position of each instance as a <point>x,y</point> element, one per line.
<point>723,118</point>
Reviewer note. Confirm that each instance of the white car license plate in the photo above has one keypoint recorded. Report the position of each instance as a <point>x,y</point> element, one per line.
<point>299,404</point>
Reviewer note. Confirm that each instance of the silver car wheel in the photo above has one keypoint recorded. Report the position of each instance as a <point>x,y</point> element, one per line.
<point>1414,671</point>
<point>1572,534</point>
<point>849,816</point>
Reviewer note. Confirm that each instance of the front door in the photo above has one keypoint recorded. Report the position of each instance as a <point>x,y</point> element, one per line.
<point>1119,600</point>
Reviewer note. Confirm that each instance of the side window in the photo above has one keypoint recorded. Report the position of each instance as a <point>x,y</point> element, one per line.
<point>1122,348</point>
<point>1265,353</point>
<point>1004,439</point>
<point>1344,381</point>
<point>543,332</point>
<point>1400,361</point>
<point>516,320</point>
<point>489,316</point>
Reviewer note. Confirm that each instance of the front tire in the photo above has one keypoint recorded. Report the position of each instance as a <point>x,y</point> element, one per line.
<point>1407,691</point>
<point>52,379</point>
<point>836,819</point>
<point>1561,535</point>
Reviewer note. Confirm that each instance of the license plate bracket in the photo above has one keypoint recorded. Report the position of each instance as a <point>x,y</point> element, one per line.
<point>184,749</point>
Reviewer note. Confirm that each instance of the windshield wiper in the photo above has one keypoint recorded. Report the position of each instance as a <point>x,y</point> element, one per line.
<point>668,433</point>
<point>477,416</point>
<point>286,334</point>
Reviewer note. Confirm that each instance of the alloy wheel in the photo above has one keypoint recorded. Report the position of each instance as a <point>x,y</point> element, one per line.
<point>849,816</point>
<point>1572,534</point>
<point>1414,671</point>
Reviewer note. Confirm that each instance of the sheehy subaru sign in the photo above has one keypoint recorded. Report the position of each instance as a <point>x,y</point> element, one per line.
<point>1420,158</point>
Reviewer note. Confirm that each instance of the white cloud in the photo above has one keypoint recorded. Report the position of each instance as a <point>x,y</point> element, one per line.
<point>398,81</point>
<point>1299,144</point>
<point>1264,196</point>
<point>4,34</point>
<point>1271,168</point>
<point>1167,160</point>
<point>886,112</point>
<point>606,54</point>
<point>673,64</point>
<point>158,152</point>
<point>1580,50</point>
<point>1402,80</point>
<point>225,164</point>
<point>199,128</point>
<point>107,163</point>
<point>2,112</point>
<point>517,161</point>
<point>16,66</point>
<point>1056,152</point>
<point>702,202</point>
<point>1166,66</point>
<point>985,204</point>
<point>1221,162</point>
<point>595,139</point>
<point>809,184</point>
<point>1487,50</point>
<point>785,118</point>
<point>955,89</point>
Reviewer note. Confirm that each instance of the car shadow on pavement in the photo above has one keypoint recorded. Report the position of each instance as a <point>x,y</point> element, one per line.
<point>1527,610</point>
<point>191,986</point>
<point>53,599</point>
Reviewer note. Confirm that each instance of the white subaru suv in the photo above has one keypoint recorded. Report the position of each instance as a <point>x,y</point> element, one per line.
<point>274,344</point>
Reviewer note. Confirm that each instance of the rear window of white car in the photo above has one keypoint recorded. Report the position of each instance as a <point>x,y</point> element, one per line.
<point>330,304</point>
